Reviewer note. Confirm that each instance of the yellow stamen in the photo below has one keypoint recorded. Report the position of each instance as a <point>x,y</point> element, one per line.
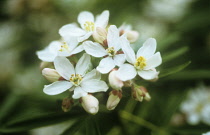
<point>140,63</point>
<point>89,26</point>
<point>64,46</point>
<point>111,52</point>
<point>76,80</point>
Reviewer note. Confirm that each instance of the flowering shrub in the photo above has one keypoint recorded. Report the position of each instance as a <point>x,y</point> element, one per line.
<point>85,53</point>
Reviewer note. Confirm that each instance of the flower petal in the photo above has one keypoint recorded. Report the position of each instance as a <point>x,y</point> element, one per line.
<point>54,46</point>
<point>70,30</point>
<point>113,37</point>
<point>83,64</point>
<point>94,74</point>
<point>72,41</point>
<point>148,48</point>
<point>78,93</point>
<point>119,59</point>
<point>103,19</point>
<point>94,85</point>
<point>94,49</point>
<point>78,49</point>
<point>85,16</point>
<point>148,74</point>
<point>106,65</point>
<point>128,51</point>
<point>64,67</point>
<point>85,36</point>
<point>57,87</point>
<point>193,119</point>
<point>126,72</point>
<point>153,61</point>
<point>46,55</point>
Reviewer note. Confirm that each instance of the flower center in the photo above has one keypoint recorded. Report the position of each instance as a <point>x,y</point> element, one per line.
<point>111,52</point>
<point>76,79</point>
<point>140,63</point>
<point>89,26</point>
<point>64,47</point>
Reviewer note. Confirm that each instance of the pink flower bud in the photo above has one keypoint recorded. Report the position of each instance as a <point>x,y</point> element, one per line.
<point>114,99</point>
<point>115,82</point>
<point>51,74</point>
<point>90,104</point>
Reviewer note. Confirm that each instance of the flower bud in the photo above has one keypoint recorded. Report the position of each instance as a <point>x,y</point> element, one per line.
<point>90,104</point>
<point>114,99</point>
<point>51,74</point>
<point>44,64</point>
<point>67,104</point>
<point>132,36</point>
<point>114,81</point>
<point>100,35</point>
<point>140,93</point>
<point>127,83</point>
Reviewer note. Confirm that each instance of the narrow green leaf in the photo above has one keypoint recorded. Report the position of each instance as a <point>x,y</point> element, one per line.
<point>191,75</point>
<point>38,121</point>
<point>164,44</point>
<point>175,54</point>
<point>75,127</point>
<point>8,106</point>
<point>167,72</point>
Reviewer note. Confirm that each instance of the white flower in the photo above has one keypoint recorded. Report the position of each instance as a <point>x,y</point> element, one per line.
<point>76,78</point>
<point>196,106</point>
<point>88,25</point>
<point>208,133</point>
<point>111,57</point>
<point>143,63</point>
<point>65,48</point>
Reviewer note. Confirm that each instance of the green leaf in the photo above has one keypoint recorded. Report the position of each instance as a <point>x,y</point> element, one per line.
<point>191,75</point>
<point>167,72</point>
<point>75,127</point>
<point>191,130</point>
<point>38,121</point>
<point>175,54</point>
<point>164,44</point>
<point>8,106</point>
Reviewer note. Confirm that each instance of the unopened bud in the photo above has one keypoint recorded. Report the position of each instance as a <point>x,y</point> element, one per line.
<point>90,104</point>
<point>114,81</point>
<point>67,104</point>
<point>132,36</point>
<point>100,35</point>
<point>127,83</point>
<point>51,74</point>
<point>44,64</point>
<point>140,93</point>
<point>114,99</point>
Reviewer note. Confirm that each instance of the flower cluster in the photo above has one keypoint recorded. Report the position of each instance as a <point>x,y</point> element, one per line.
<point>86,53</point>
<point>197,106</point>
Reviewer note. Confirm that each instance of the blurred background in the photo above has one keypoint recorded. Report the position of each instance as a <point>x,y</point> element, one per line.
<point>181,28</point>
